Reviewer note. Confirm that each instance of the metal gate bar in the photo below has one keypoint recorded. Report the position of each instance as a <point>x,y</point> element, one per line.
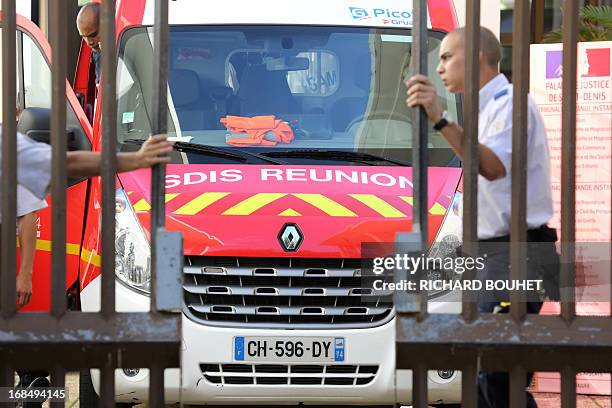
<point>518,226</point>
<point>420,180</point>
<point>109,161</point>
<point>9,164</point>
<point>419,126</point>
<point>108,171</point>
<point>58,36</point>
<point>66,340</point>
<point>8,296</point>
<point>517,342</point>
<point>470,147</point>
<point>568,186</point>
<point>469,385</point>
<point>58,379</point>
<point>158,188</point>
<point>568,157</point>
<point>540,342</point>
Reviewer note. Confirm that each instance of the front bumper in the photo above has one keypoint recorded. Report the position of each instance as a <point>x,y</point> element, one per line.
<point>213,345</point>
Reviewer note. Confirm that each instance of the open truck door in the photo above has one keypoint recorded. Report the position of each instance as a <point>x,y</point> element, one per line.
<point>33,113</point>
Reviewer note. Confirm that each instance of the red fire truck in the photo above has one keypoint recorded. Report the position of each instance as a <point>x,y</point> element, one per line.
<point>273,310</point>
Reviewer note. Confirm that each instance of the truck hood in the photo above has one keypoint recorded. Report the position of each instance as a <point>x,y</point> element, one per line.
<point>242,210</point>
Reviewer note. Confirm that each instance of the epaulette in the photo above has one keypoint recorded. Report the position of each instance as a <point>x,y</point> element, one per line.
<point>500,93</point>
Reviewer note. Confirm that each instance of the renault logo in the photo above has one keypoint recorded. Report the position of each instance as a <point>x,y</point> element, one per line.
<point>290,237</point>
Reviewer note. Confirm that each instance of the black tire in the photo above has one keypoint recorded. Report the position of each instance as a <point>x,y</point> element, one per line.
<point>87,394</point>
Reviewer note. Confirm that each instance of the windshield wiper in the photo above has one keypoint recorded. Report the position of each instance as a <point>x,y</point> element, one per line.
<point>319,154</point>
<point>236,154</point>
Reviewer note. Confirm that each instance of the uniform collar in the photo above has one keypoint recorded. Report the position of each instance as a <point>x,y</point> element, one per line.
<point>490,89</point>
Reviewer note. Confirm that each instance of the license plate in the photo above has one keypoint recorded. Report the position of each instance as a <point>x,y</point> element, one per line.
<point>294,349</point>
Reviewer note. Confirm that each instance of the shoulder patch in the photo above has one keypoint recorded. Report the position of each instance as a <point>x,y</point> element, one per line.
<point>501,93</point>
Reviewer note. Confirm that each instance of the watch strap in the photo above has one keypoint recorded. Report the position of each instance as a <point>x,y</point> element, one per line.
<point>441,124</point>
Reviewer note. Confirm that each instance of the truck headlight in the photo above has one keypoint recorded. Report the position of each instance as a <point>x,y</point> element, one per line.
<point>132,249</point>
<point>447,241</point>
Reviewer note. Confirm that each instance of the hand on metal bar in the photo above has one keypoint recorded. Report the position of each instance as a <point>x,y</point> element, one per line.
<point>421,92</point>
<point>153,151</point>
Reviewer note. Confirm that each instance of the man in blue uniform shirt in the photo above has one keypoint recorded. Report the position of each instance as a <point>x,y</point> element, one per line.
<point>494,181</point>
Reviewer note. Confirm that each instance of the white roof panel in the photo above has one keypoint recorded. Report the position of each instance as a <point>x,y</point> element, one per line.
<point>385,13</point>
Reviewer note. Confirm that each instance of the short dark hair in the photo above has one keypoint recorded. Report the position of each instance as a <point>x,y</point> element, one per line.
<point>489,45</point>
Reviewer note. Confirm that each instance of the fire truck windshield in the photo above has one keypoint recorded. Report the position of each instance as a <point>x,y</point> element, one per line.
<point>328,88</point>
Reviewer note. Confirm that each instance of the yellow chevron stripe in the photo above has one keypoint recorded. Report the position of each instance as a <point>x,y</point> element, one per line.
<point>170,197</point>
<point>437,209</point>
<point>407,199</point>
<point>143,205</point>
<point>325,204</point>
<point>91,257</point>
<point>71,249</point>
<point>379,205</point>
<point>199,203</point>
<point>290,212</point>
<point>45,245</point>
<point>253,203</point>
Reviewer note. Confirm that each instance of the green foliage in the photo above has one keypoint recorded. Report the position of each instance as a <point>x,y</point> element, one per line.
<point>595,25</point>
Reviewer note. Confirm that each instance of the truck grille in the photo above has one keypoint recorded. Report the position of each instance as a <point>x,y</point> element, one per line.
<point>281,292</point>
<point>285,374</point>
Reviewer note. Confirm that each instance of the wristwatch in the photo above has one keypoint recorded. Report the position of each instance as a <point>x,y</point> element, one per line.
<point>444,121</point>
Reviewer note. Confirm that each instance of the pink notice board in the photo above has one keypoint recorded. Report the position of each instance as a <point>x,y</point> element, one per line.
<point>593,180</point>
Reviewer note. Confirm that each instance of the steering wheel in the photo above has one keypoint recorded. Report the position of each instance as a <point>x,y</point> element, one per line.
<point>384,115</point>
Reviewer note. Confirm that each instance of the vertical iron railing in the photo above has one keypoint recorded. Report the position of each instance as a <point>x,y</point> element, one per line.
<point>470,140</point>
<point>108,170</point>
<point>9,163</point>
<point>568,186</point>
<point>419,179</point>
<point>58,36</point>
<point>166,246</point>
<point>66,340</point>
<point>8,295</point>
<point>420,125</point>
<point>516,343</point>
<point>518,224</point>
<point>109,149</point>
<point>471,163</point>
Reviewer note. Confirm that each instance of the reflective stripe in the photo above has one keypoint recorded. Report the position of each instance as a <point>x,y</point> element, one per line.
<point>71,249</point>
<point>143,205</point>
<point>379,205</point>
<point>92,257</point>
<point>45,245</point>
<point>199,203</point>
<point>437,209</point>
<point>327,205</point>
<point>257,201</point>
<point>253,203</point>
<point>290,212</point>
<point>407,199</point>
